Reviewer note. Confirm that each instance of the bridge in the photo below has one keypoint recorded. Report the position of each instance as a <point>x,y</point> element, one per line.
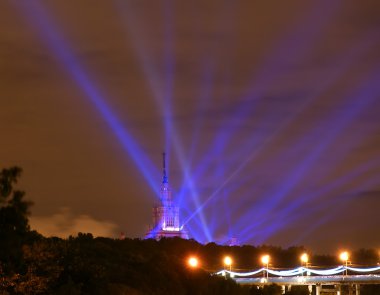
<point>319,281</point>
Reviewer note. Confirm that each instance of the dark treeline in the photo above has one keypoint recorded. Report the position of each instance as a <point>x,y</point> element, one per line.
<point>33,264</point>
<point>87,265</point>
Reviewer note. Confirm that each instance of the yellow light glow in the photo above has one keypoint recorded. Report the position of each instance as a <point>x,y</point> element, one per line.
<point>304,258</point>
<point>227,260</point>
<point>265,259</point>
<point>344,256</point>
<point>193,262</point>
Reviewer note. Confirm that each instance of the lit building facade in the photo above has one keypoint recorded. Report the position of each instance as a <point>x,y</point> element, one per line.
<point>166,222</point>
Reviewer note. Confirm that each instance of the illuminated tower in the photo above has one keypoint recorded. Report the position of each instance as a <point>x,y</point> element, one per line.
<point>166,221</point>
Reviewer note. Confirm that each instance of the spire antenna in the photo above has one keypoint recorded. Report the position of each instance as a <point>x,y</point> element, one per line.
<point>165,177</point>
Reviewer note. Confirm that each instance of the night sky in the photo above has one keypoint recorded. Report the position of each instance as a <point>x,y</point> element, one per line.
<point>269,112</point>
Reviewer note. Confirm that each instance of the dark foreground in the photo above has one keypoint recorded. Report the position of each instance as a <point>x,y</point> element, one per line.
<point>87,265</point>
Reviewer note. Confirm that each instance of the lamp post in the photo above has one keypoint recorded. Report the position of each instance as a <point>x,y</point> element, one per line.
<point>227,262</point>
<point>265,260</point>
<point>304,259</point>
<point>344,257</point>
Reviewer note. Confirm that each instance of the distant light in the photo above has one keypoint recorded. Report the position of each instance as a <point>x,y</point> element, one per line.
<point>227,260</point>
<point>193,262</point>
<point>171,228</point>
<point>344,256</point>
<point>301,280</point>
<point>304,258</point>
<point>265,259</point>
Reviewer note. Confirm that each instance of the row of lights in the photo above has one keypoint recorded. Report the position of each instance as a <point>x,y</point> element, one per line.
<point>193,261</point>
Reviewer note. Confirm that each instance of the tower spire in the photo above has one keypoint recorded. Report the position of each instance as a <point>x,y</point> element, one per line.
<point>165,177</point>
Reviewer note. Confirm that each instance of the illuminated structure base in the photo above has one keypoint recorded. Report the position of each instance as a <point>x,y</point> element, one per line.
<point>166,223</point>
<point>170,234</point>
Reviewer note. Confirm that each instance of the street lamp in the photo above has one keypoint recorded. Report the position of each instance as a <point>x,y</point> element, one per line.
<point>227,262</point>
<point>265,260</point>
<point>193,262</point>
<point>304,259</point>
<point>344,256</point>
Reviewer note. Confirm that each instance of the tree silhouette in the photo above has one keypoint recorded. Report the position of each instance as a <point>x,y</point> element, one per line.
<point>14,224</point>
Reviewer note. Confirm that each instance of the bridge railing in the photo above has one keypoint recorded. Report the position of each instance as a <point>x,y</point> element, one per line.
<point>299,271</point>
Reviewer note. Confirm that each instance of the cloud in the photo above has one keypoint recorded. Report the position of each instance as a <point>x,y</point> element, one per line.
<point>65,223</point>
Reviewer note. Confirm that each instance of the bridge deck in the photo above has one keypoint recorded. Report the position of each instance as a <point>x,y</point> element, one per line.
<point>312,280</point>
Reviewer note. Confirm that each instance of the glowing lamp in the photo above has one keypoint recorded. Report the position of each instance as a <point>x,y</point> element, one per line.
<point>227,261</point>
<point>265,259</point>
<point>193,262</point>
<point>344,256</point>
<point>304,258</point>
